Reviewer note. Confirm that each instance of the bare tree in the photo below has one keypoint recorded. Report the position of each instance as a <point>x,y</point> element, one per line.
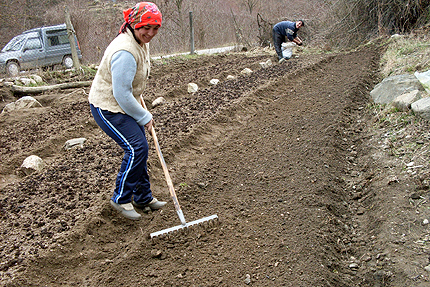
<point>250,5</point>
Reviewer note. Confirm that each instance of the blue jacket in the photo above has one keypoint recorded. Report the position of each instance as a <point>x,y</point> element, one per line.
<point>286,28</point>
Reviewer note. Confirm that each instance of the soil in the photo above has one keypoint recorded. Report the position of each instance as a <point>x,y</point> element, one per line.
<point>312,184</point>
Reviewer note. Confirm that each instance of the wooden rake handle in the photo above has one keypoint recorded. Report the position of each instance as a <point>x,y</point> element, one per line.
<point>166,171</point>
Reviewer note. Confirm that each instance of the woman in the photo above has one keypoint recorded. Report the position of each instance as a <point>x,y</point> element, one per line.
<point>114,101</point>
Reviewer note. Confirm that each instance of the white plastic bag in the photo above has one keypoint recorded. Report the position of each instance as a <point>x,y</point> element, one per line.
<point>287,50</point>
<point>424,79</point>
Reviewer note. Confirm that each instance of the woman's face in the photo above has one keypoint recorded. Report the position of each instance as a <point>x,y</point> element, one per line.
<point>146,33</point>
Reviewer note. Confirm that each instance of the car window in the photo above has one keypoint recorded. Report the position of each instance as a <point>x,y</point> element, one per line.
<point>58,40</point>
<point>33,43</point>
<point>15,44</point>
<point>57,37</point>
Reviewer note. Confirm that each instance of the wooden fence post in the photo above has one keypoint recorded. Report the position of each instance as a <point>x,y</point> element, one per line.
<point>71,35</point>
<point>191,34</point>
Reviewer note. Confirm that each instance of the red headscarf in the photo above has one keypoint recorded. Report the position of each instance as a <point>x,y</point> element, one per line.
<point>144,13</point>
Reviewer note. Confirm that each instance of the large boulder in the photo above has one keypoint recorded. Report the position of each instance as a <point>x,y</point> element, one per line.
<point>390,88</point>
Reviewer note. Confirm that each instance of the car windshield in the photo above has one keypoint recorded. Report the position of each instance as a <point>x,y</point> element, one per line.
<point>15,44</point>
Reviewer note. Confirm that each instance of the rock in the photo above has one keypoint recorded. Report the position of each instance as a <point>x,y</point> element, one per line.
<point>425,221</point>
<point>427,268</point>
<point>37,78</point>
<point>266,64</point>
<point>27,102</point>
<point>263,65</point>
<point>247,279</point>
<point>424,79</point>
<point>404,101</point>
<point>422,108</point>
<point>192,88</point>
<point>27,81</point>
<point>155,253</point>
<point>8,108</point>
<point>246,71</point>
<point>392,87</point>
<point>230,77</point>
<point>158,101</point>
<point>78,142</point>
<point>214,82</point>
<point>22,103</point>
<point>353,266</point>
<point>31,164</point>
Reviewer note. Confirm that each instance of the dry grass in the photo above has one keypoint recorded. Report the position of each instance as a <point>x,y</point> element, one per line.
<point>406,54</point>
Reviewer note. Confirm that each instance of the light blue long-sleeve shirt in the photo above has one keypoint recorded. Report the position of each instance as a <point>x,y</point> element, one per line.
<point>123,69</point>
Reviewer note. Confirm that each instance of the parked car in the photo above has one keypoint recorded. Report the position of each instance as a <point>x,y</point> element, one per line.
<point>38,47</point>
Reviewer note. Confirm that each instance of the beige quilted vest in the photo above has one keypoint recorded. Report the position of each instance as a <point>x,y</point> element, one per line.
<point>101,94</point>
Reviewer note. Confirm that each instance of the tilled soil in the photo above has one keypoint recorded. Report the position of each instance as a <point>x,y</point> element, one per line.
<point>284,156</point>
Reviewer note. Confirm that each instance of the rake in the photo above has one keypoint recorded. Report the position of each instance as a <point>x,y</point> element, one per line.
<point>184,224</point>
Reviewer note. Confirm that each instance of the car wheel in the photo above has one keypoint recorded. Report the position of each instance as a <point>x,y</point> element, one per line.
<point>12,68</point>
<point>68,62</point>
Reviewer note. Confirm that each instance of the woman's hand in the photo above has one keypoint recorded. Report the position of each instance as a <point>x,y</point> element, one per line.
<point>149,125</point>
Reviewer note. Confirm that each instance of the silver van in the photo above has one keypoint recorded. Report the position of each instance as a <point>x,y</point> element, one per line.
<point>38,47</point>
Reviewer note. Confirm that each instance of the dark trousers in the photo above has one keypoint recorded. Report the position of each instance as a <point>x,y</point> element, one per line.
<point>132,179</point>
<point>278,39</point>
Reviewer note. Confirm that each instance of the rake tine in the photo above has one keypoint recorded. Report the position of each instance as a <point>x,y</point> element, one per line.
<point>171,230</point>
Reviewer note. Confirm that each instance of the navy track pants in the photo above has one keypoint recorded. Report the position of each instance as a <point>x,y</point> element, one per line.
<point>132,179</point>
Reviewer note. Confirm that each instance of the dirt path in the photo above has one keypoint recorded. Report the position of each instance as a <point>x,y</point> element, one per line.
<point>276,155</point>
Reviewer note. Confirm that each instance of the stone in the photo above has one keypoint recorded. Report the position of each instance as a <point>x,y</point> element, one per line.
<point>31,164</point>
<point>78,142</point>
<point>422,108</point>
<point>246,71</point>
<point>214,82</point>
<point>158,101</point>
<point>192,88</point>
<point>424,79</point>
<point>22,103</point>
<point>247,279</point>
<point>404,101</point>
<point>37,78</point>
